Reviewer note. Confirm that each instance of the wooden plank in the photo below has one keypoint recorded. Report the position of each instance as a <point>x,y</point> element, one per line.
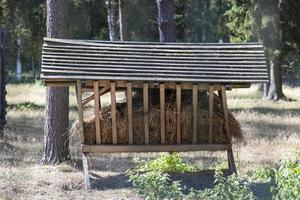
<point>146,112</point>
<point>210,113</point>
<point>231,162</point>
<point>129,112</point>
<point>120,57</point>
<point>195,113</point>
<point>157,65</point>
<point>80,110</point>
<point>96,43</point>
<point>85,164</point>
<point>158,79</point>
<point>88,99</point>
<point>152,61</point>
<point>245,70</point>
<point>151,76</point>
<point>161,48</point>
<point>113,54</point>
<point>225,111</point>
<point>56,40</point>
<point>97,104</point>
<point>113,112</point>
<point>154,148</point>
<point>178,113</point>
<point>162,114</point>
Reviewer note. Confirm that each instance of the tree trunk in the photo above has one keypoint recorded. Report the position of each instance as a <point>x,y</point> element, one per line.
<point>166,21</point>
<point>56,143</point>
<point>123,21</point>
<point>110,6</point>
<point>275,89</point>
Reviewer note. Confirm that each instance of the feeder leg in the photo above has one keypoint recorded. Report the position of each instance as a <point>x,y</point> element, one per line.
<point>85,163</point>
<point>231,163</point>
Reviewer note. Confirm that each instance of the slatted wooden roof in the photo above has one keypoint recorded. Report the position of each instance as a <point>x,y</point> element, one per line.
<point>68,60</point>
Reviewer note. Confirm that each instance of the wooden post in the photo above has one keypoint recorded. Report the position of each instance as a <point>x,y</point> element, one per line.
<point>225,111</point>
<point>129,112</point>
<point>231,163</point>
<point>195,112</point>
<point>210,113</point>
<point>178,113</point>
<point>80,110</point>
<point>85,164</point>
<point>113,112</point>
<point>97,112</point>
<point>162,114</point>
<point>146,112</point>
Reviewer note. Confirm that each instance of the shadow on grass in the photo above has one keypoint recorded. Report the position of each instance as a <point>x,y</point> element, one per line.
<point>122,164</point>
<point>200,181</point>
<point>261,110</point>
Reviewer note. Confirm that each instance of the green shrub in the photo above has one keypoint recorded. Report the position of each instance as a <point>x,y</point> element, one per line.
<point>153,184</point>
<point>170,162</point>
<point>225,189</point>
<point>286,180</point>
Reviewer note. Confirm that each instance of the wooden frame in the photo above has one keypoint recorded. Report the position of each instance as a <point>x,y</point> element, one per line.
<point>100,87</point>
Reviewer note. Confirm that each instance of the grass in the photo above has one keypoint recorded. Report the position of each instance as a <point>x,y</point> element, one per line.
<point>272,132</point>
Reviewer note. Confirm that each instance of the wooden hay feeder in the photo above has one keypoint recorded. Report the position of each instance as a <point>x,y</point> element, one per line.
<point>157,78</point>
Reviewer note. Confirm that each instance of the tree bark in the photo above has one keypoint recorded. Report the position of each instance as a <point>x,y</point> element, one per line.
<point>56,143</point>
<point>166,21</point>
<point>275,89</point>
<point>110,6</point>
<point>123,21</point>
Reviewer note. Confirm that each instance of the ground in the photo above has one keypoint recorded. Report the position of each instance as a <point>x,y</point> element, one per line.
<point>272,132</point>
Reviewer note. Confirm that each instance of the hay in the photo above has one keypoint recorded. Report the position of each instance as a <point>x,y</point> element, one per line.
<point>219,134</point>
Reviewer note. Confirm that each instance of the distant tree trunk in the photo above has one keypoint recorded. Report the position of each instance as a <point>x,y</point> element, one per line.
<point>166,21</point>
<point>123,21</point>
<point>110,6</point>
<point>56,143</point>
<point>275,89</point>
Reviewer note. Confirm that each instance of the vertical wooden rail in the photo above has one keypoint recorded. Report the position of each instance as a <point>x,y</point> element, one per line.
<point>129,112</point>
<point>113,112</point>
<point>178,113</point>
<point>210,113</point>
<point>97,112</point>
<point>80,110</point>
<point>225,111</point>
<point>195,112</point>
<point>146,112</point>
<point>162,114</point>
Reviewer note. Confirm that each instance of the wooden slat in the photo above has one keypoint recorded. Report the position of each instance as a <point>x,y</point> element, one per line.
<point>242,80</point>
<point>146,65</point>
<point>247,70</point>
<point>129,111</point>
<point>146,112</point>
<point>154,148</point>
<point>178,113</point>
<point>97,112</point>
<point>225,111</point>
<point>121,57</point>
<point>71,41</point>
<point>162,114</point>
<point>152,61</point>
<point>210,113</point>
<point>113,54</point>
<point>159,48</point>
<point>195,112</point>
<point>88,99</point>
<point>151,75</point>
<point>113,112</point>
<point>85,165</point>
<point>80,110</point>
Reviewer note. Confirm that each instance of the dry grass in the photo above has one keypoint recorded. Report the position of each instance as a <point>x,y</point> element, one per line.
<point>272,131</point>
